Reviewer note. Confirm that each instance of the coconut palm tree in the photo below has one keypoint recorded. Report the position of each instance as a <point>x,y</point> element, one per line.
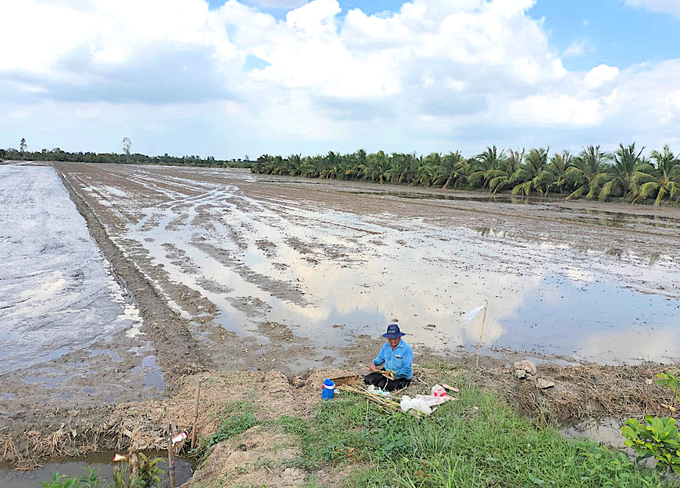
<point>424,172</point>
<point>626,162</point>
<point>401,168</point>
<point>331,166</point>
<point>356,166</point>
<point>533,173</point>
<point>659,181</point>
<point>378,166</point>
<point>487,164</point>
<point>588,173</point>
<point>291,165</point>
<point>558,167</point>
<point>504,178</point>
<point>449,168</point>
<point>311,167</point>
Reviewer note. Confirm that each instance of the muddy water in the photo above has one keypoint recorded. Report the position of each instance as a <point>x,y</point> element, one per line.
<point>331,276</point>
<point>100,462</point>
<point>606,431</point>
<point>56,292</point>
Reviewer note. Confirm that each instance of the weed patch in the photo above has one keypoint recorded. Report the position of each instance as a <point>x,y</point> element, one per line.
<point>475,441</point>
<point>236,419</point>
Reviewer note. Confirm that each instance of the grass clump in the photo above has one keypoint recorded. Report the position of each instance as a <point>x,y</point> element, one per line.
<point>476,441</point>
<point>236,418</point>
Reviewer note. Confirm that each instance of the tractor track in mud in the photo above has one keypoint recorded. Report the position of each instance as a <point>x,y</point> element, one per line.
<point>178,353</point>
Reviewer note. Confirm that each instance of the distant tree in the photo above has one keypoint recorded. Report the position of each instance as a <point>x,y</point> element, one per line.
<point>247,158</point>
<point>127,145</point>
<point>533,173</point>
<point>626,162</point>
<point>660,180</point>
<point>507,176</point>
<point>23,145</point>
<point>589,173</point>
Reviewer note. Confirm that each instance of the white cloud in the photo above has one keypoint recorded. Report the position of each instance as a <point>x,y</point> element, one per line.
<point>278,3</point>
<point>435,75</point>
<point>597,77</point>
<point>315,18</point>
<point>576,48</point>
<point>660,6</point>
<point>556,110</point>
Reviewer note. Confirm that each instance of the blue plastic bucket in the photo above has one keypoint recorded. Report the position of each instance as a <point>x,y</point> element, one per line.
<point>328,389</point>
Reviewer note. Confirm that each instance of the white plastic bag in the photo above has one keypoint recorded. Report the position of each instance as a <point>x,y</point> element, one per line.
<point>423,403</point>
<point>408,403</point>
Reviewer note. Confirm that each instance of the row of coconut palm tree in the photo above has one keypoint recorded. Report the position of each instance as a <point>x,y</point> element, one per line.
<point>593,173</point>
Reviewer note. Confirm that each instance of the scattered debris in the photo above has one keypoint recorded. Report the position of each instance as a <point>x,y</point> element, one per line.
<point>544,384</point>
<point>525,369</point>
<point>424,403</point>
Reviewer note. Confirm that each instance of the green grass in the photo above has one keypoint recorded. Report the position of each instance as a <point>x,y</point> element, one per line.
<point>237,418</point>
<point>476,441</point>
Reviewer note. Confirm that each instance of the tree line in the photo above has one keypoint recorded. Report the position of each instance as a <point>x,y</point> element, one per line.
<point>135,158</point>
<point>593,173</point>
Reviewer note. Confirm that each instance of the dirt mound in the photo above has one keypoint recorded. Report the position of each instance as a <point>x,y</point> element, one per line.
<point>259,457</point>
<point>586,391</point>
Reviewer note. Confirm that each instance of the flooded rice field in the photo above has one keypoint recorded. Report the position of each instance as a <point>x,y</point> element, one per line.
<point>229,270</point>
<point>318,267</point>
<point>60,306</point>
<point>56,292</point>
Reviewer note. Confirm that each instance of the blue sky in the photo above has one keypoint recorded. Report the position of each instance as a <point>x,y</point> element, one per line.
<point>612,33</point>
<point>308,76</point>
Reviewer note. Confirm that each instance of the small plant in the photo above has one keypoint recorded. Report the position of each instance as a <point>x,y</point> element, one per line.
<point>88,480</point>
<point>669,380</point>
<point>658,438</point>
<point>60,481</point>
<point>147,473</point>
<point>603,467</point>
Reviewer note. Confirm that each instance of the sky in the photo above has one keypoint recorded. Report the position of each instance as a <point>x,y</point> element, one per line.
<point>249,77</point>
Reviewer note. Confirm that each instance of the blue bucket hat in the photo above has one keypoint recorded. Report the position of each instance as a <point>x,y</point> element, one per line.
<point>393,332</point>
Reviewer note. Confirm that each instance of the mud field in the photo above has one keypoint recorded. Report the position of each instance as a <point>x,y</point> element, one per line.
<point>222,270</point>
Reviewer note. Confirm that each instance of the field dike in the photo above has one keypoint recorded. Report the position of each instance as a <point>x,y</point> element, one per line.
<point>242,415</point>
<point>252,426</point>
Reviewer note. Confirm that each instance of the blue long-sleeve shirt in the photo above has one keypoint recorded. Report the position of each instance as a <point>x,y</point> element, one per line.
<point>399,360</point>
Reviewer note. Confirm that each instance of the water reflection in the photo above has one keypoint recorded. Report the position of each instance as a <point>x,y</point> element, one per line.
<point>56,292</point>
<point>313,269</point>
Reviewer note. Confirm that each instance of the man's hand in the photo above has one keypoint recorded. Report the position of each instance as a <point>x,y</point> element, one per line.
<point>372,368</point>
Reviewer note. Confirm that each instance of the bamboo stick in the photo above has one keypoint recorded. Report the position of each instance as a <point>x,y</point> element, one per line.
<point>171,464</point>
<point>193,427</point>
<point>382,402</point>
<point>481,334</point>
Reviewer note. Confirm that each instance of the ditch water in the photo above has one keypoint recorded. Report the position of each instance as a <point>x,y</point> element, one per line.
<point>101,462</point>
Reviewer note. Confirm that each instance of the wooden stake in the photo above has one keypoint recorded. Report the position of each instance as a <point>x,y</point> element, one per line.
<point>171,464</point>
<point>481,334</point>
<point>193,427</point>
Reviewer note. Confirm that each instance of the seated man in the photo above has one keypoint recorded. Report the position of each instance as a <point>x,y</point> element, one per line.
<point>397,357</point>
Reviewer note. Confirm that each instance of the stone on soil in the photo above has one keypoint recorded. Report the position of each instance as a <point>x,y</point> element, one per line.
<point>526,366</point>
